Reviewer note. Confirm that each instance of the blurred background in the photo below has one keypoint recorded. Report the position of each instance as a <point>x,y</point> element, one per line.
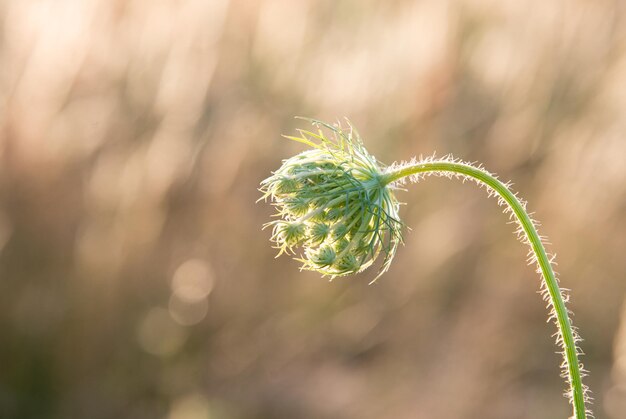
<point>135,280</point>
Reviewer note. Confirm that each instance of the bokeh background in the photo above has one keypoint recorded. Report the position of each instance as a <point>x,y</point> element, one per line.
<point>135,280</point>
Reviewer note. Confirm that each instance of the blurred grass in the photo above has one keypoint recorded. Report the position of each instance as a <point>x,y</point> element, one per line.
<point>135,281</point>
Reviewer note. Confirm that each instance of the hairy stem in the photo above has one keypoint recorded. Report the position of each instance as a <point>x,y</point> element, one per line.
<point>567,339</point>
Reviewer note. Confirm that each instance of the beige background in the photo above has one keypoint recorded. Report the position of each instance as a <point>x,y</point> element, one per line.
<point>135,281</point>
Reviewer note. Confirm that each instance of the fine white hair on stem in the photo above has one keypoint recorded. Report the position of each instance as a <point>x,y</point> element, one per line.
<point>522,235</point>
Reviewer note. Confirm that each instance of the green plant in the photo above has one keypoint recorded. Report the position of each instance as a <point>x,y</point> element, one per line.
<point>337,203</point>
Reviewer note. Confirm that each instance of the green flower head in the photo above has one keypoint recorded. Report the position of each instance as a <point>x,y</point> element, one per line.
<point>334,205</point>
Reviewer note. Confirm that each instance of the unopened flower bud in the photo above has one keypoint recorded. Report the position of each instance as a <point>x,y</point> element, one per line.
<point>332,203</point>
<point>322,257</point>
<point>318,232</point>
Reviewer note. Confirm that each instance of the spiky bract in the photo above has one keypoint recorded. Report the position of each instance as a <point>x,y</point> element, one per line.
<point>333,204</point>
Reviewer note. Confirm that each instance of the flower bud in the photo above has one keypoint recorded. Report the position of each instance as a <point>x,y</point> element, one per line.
<point>332,203</point>
<point>287,186</point>
<point>296,207</point>
<point>340,231</point>
<point>288,234</point>
<point>318,232</point>
<point>322,257</point>
<point>347,264</point>
<point>341,245</point>
<point>333,214</point>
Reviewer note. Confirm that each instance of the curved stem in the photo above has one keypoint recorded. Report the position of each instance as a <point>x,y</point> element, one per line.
<point>556,299</point>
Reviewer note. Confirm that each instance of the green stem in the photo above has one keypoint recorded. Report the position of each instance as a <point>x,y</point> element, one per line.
<point>563,322</point>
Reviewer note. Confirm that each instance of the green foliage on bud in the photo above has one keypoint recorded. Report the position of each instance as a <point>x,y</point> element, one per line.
<point>296,205</point>
<point>341,245</point>
<point>347,264</point>
<point>340,230</point>
<point>332,204</point>
<point>333,214</point>
<point>318,232</point>
<point>288,234</point>
<point>321,257</point>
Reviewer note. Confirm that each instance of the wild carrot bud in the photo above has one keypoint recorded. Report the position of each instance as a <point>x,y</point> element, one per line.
<point>318,232</point>
<point>347,264</point>
<point>287,186</point>
<point>296,205</point>
<point>340,231</point>
<point>287,234</point>
<point>333,202</point>
<point>333,214</point>
<point>322,257</point>
<point>341,245</point>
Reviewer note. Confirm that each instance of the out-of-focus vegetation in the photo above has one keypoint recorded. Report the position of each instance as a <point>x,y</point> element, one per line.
<point>135,281</point>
